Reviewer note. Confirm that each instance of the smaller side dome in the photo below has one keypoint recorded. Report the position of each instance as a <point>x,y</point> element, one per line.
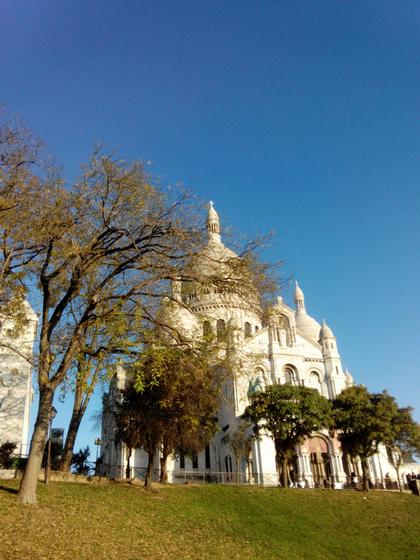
<point>325,331</point>
<point>349,378</point>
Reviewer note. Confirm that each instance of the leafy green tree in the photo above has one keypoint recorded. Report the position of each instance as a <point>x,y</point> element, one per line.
<point>170,403</point>
<point>190,401</point>
<point>7,450</point>
<point>289,414</point>
<point>366,420</point>
<point>139,423</point>
<point>80,461</point>
<point>405,439</point>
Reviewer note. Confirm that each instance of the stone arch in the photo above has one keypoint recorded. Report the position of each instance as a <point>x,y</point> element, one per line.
<point>283,330</point>
<point>290,374</point>
<point>247,329</point>
<point>261,372</point>
<point>257,381</point>
<point>207,330</point>
<point>220,329</point>
<point>320,448</point>
<point>315,380</point>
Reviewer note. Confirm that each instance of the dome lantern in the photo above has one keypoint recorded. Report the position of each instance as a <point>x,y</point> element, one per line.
<point>213,223</point>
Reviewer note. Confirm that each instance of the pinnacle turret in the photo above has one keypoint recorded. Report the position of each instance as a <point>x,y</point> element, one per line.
<point>299,298</point>
<point>213,223</point>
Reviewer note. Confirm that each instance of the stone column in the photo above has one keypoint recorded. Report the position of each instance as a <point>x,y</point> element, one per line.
<point>339,474</point>
<point>306,472</point>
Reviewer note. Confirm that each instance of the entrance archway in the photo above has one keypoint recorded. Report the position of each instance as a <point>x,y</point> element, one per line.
<point>320,461</point>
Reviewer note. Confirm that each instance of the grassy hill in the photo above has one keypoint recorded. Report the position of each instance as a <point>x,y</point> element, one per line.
<point>207,522</point>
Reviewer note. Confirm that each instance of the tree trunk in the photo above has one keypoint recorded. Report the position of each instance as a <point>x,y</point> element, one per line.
<point>163,468</point>
<point>281,465</point>
<point>397,468</point>
<point>364,464</point>
<point>68,449</point>
<point>237,467</point>
<point>128,468</point>
<point>278,464</point>
<point>149,471</point>
<point>79,408</point>
<point>82,396</point>
<point>27,490</point>
<point>284,472</point>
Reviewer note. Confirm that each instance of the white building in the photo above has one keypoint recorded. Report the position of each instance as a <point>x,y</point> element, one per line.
<point>16,352</point>
<point>286,345</point>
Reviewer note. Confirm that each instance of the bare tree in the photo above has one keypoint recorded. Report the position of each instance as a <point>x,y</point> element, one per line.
<point>113,237</point>
<point>241,444</point>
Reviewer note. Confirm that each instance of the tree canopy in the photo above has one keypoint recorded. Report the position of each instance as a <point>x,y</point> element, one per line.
<point>365,420</point>
<point>170,403</point>
<point>289,414</point>
<point>110,241</point>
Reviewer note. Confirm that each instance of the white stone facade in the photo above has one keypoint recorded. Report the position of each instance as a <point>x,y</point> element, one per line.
<point>16,353</point>
<point>287,346</point>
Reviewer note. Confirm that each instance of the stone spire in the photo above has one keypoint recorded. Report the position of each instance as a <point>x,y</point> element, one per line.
<point>213,223</point>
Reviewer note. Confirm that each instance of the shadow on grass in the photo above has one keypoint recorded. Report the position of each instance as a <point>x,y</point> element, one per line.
<point>9,490</point>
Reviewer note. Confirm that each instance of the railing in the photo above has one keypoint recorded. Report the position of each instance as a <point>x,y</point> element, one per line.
<point>182,476</point>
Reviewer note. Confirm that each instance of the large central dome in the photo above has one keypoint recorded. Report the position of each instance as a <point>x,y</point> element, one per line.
<point>219,275</point>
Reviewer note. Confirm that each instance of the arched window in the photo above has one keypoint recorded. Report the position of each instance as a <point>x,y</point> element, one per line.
<point>247,329</point>
<point>207,331</point>
<point>289,375</point>
<point>283,322</point>
<point>315,381</point>
<point>221,329</point>
<point>254,386</point>
<point>283,331</point>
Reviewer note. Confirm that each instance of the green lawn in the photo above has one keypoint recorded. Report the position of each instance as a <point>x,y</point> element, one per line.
<point>115,521</point>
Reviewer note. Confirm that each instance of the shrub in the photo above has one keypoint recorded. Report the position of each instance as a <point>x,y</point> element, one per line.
<point>6,454</point>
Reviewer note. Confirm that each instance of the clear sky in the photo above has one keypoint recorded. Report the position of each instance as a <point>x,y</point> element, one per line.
<point>297,117</point>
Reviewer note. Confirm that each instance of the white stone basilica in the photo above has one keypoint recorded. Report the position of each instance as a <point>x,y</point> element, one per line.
<point>285,346</point>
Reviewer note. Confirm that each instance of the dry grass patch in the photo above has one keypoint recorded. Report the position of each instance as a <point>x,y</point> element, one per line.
<point>207,522</point>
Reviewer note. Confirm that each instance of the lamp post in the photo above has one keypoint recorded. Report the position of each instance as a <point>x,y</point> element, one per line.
<point>48,463</point>
<point>98,443</point>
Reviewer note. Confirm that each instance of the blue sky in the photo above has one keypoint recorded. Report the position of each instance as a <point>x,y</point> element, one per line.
<point>297,117</point>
